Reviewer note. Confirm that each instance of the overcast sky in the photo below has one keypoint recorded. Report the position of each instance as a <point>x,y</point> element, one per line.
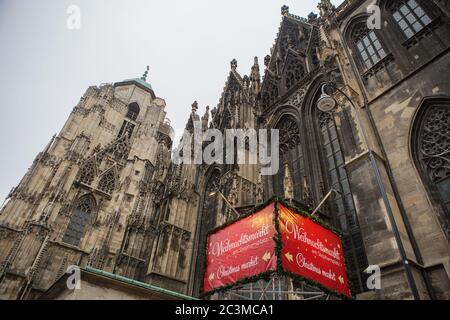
<point>45,67</point>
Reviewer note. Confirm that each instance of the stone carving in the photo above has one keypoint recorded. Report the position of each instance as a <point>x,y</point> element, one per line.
<point>295,71</point>
<point>435,144</point>
<point>324,118</point>
<point>296,99</point>
<point>88,171</point>
<point>289,134</point>
<point>107,181</point>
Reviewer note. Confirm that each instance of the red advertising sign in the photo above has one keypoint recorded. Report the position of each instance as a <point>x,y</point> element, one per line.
<point>246,248</point>
<point>241,250</point>
<point>312,251</point>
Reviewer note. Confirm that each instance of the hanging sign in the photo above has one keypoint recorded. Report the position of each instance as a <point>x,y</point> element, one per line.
<point>312,251</point>
<point>246,248</point>
<point>241,250</point>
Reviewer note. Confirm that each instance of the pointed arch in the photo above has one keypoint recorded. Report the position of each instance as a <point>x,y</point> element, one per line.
<point>410,16</point>
<point>286,120</point>
<point>294,70</point>
<point>325,148</point>
<point>269,92</point>
<point>133,111</point>
<point>289,37</point>
<point>430,151</point>
<point>88,171</point>
<point>207,220</point>
<point>289,133</point>
<point>367,44</point>
<point>82,215</point>
<point>107,182</point>
<point>119,148</point>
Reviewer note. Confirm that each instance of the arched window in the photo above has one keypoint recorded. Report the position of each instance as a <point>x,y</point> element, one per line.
<point>133,111</point>
<point>294,71</point>
<point>269,94</point>
<point>79,219</point>
<point>409,16</point>
<point>107,182</point>
<point>343,208</point>
<point>431,150</point>
<point>291,152</point>
<point>128,125</point>
<point>367,44</point>
<point>87,172</point>
<point>207,222</point>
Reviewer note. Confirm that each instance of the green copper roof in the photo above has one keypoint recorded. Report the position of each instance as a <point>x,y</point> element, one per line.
<point>141,82</point>
<point>138,283</point>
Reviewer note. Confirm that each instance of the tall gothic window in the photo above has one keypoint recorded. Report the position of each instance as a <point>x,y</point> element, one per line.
<point>87,172</point>
<point>368,45</point>
<point>126,129</point>
<point>409,16</point>
<point>431,148</point>
<point>344,211</point>
<point>79,219</point>
<point>107,182</point>
<point>269,94</point>
<point>128,124</point>
<point>294,72</point>
<point>290,152</point>
<point>133,111</point>
<point>208,220</point>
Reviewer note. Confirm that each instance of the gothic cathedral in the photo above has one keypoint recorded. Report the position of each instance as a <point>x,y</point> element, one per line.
<point>106,194</point>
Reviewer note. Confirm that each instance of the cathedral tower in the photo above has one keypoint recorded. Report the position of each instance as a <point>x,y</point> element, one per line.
<point>90,197</point>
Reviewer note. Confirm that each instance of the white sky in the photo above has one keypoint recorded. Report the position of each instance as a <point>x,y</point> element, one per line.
<point>45,68</point>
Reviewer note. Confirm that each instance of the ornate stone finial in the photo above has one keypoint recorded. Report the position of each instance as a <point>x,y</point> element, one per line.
<point>246,80</point>
<point>213,112</point>
<point>255,75</point>
<point>325,8</point>
<point>284,10</point>
<point>144,76</point>
<point>312,17</point>
<point>307,196</point>
<point>288,184</point>
<point>233,64</point>
<point>195,107</point>
<point>259,193</point>
<point>205,119</point>
<point>267,60</point>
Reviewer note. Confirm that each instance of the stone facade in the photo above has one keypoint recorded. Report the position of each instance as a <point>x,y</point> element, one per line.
<point>104,193</point>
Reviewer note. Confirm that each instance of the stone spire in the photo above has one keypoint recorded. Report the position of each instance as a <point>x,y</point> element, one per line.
<point>307,196</point>
<point>259,192</point>
<point>205,119</point>
<point>254,74</point>
<point>312,18</point>
<point>288,184</point>
<point>233,64</point>
<point>267,60</point>
<point>325,7</point>
<point>255,77</point>
<point>144,76</point>
<point>284,10</point>
<point>194,107</point>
